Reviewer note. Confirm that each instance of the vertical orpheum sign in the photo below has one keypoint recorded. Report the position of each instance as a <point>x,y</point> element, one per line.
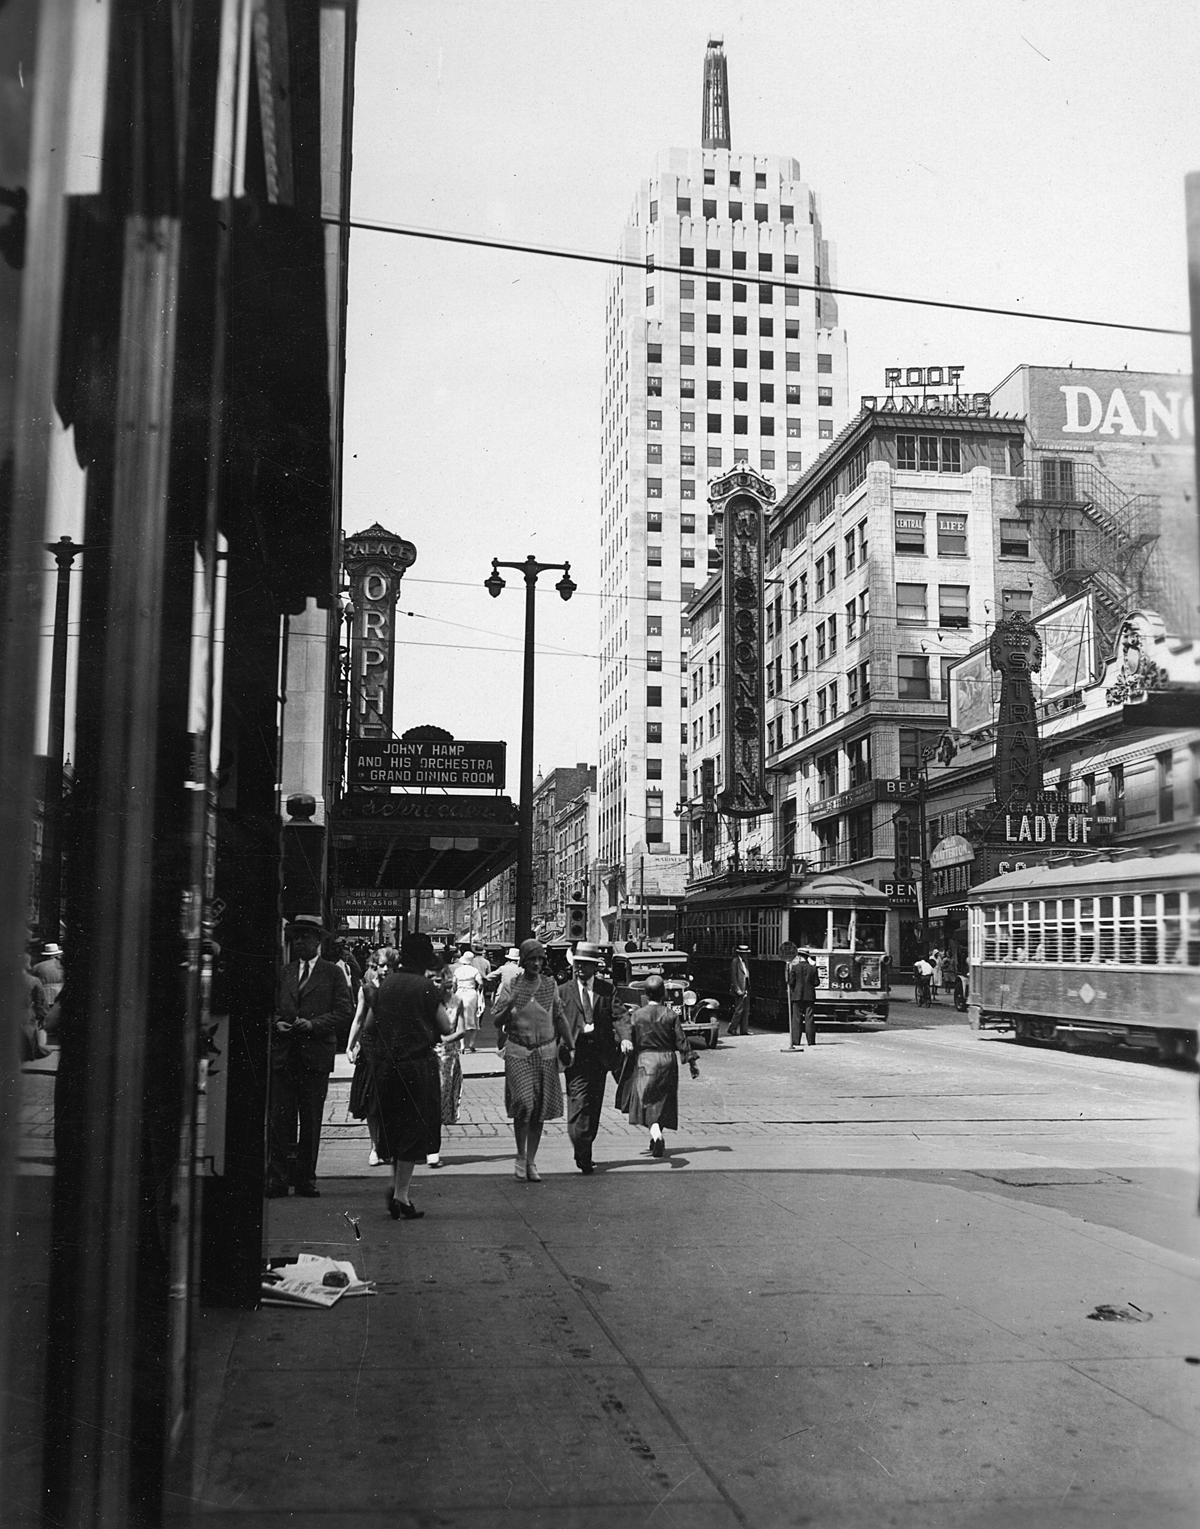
<point>1015,650</point>
<point>375,561</point>
<point>741,497</point>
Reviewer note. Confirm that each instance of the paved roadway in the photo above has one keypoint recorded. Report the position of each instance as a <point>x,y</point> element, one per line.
<point>855,1292</point>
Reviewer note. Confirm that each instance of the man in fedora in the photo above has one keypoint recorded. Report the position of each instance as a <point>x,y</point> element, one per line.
<point>314,1006</point>
<point>599,1034</point>
<point>739,987</point>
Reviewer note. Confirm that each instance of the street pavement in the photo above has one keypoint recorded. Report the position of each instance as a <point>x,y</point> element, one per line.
<point>856,1291</point>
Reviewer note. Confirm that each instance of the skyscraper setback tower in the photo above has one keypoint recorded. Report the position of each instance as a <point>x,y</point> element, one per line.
<point>713,355</point>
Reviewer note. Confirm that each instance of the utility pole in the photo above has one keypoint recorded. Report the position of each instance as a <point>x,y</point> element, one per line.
<point>50,903</point>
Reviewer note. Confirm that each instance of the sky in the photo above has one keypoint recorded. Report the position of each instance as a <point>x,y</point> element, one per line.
<point>1019,155</point>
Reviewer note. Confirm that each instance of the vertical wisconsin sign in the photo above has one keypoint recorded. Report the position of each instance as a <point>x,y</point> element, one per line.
<point>741,496</point>
<point>1015,650</point>
<point>375,561</point>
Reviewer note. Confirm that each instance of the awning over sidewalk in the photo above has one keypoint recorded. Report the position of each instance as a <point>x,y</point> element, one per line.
<point>421,841</point>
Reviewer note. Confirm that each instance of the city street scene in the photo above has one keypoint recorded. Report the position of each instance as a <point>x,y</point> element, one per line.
<point>600,757</point>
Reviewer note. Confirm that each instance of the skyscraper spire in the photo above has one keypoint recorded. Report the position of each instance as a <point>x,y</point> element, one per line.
<point>714,132</point>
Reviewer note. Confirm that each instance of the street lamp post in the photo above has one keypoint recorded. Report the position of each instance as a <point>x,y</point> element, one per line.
<point>50,902</point>
<point>566,588</point>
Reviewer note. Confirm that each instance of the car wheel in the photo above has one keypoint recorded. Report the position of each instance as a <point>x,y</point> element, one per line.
<point>714,1035</point>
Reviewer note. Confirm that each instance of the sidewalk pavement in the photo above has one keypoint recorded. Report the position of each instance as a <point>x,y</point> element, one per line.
<point>660,1344</point>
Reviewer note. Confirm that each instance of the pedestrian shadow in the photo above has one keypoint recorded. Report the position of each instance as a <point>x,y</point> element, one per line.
<point>677,1159</point>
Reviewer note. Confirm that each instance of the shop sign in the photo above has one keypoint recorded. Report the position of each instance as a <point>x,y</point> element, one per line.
<point>954,849</point>
<point>899,893</point>
<point>429,809</point>
<point>427,762</point>
<point>929,403</point>
<point>375,561</point>
<point>950,880</point>
<point>1045,822</point>
<point>859,796</point>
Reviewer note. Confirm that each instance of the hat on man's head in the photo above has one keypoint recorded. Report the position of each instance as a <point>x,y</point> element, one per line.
<point>743,950</point>
<point>53,950</point>
<point>312,921</point>
<point>530,948</point>
<point>416,950</point>
<point>586,951</point>
<point>512,954</point>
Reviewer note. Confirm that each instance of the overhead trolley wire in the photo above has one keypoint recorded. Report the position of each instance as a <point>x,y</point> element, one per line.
<point>651,267</point>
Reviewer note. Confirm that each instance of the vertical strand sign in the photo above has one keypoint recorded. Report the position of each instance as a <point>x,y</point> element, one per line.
<point>375,561</point>
<point>742,496</point>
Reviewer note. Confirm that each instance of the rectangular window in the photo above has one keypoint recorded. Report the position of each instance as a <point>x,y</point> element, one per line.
<point>822,708</point>
<point>791,329</point>
<point>714,424</point>
<point>851,689</point>
<point>687,488</point>
<point>653,659</point>
<point>910,533</point>
<point>787,212</point>
<point>713,390</point>
<point>951,454</point>
<point>804,655</point>
<point>766,293</point>
<point>740,424</point>
<point>803,593</point>
<point>792,359</point>
<point>766,392</point>
<point>687,557</point>
<point>820,579</point>
<point>714,454</point>
<point>821,652</point>
<point>952,535</point>
<point>910,605</point>
<point>712,323</point>
<point>649,297</point>
<point>687,389</point>
<point>654,387</point>
<point>832,635</point>
<point>653,695</point>
<point>947,665</point>
<point>954,605</point>
<point>653,769</point>
<point>687,355</point>
<point>709,207</point>
<point>739,323</point>
<point>794,461</point>
<point>1014,538</point>
<point>710,176</point>
<point>687,289</point>
<point>739,362</point>
<point>906,453</point>
<point>858,756</point>
<point>927,453</point>
<point>683,206</point>
<point>824,430</point>
<point>858,834</point>
<point>686,256</point>
<point>654,212</point>
<point>713,356</point>
<point>654,557</point>
<point>735,179</point>
<point>653,488</point>
<point>766,360</point>
<point>739,319</point>
<point>653,589</point>
<point>760,212</point>
<point>768,461</point>
<point>793,428</point>
<point>862,544</point>
<point>654,355</point>
<point>913,676</point>
<point>735,212</point>
<point>794,661</point>
<point>654,626</point>
<point>653,520</point>
<point>653,419</point>
<point>687,456</point>
<point>687,421</point>
<point>864,611</point>
<point>654,817</point>
<point>1017,602</point>
<point>851,620</point>
<point>824,361</point>
<point>824,398</point>
<point>740,392</point>
<point>766,426</point>
<point>713,258</point>
<point>712,290</point>
<point>687,323</point>
<point>793,601</point>
<point>654,451</point>
<point>1165,763</point>
<point>766,327</point>
<point>653,732</point>
<point>760,181</point>
<point>848,541</point>
<point>831,560</point>
<point>795,723</point>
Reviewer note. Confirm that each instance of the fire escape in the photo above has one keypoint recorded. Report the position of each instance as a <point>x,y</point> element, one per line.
<point>1093,536</point>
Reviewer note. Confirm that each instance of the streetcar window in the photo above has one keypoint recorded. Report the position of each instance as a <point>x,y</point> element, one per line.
<point>1035,950</point>
<point>1127,932</point>
<point>841,929</point>
<point>1017,936</point>
<point>810,927</point>
<point>1193,929</point>
<point>1172,953</point>
<point>869,930</point>
<point>1148,929</point>
<point>1068,938</point>
<point>1106,936</point>
<point>1050,931</point>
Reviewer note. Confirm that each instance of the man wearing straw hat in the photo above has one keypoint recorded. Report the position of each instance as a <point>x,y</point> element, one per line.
<point>599,1035</point>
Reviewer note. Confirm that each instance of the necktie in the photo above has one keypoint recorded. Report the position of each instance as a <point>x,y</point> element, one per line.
<point>588,1022</point>
<point>305,967</point>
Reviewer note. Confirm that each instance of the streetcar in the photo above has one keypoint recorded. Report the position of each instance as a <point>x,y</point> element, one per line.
<point>1106,951</point>
<point>840,921</point>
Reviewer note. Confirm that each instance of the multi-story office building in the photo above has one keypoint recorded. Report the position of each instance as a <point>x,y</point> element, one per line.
<point>551,793</point>
<point>721,345</point>
<point>889,560</point>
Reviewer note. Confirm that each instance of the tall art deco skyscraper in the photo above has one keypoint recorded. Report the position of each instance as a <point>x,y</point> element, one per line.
<point>718,361</point>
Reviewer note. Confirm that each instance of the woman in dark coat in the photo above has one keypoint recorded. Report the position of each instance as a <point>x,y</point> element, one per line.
<point>407,1016</point>
<point>535,1037</point>
<point>649,1089</point>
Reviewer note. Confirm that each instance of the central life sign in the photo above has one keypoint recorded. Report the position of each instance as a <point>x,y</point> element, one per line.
<point>462,766</point>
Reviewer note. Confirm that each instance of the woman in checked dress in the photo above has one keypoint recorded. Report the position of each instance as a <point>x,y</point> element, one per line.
<point>649,1091</point>
<point>534,1036</point>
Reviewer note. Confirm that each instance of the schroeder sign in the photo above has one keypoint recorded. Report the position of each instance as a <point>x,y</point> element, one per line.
<point>428,762</point>
<point>741,496</point>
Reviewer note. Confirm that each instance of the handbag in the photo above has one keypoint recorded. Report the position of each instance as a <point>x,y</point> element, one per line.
<point>362,1088</point>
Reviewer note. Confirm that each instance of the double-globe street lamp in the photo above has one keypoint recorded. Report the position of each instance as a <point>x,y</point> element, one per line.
<point>566,588</point>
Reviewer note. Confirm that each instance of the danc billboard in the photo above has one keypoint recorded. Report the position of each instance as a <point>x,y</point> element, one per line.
<point>1072,405</point>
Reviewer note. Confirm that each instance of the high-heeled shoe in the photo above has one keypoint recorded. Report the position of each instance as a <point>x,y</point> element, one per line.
<point>405,1208</point>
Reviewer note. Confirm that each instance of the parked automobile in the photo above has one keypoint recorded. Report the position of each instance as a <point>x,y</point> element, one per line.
<point>701,1017</point>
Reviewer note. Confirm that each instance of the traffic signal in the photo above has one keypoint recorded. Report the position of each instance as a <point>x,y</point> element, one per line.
<point>904,846</point>
<point>577,921</point>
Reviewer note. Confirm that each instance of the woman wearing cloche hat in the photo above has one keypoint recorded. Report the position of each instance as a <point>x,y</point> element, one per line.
<point>536,1041</point>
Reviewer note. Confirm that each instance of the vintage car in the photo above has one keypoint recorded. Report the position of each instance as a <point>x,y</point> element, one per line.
<point>700,1016</point>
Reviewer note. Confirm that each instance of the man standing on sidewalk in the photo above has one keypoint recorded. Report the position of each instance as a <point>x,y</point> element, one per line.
<point>803,978</point>
<point>739,986</point>
<point>600,1037</point>
<point>314,1006</point>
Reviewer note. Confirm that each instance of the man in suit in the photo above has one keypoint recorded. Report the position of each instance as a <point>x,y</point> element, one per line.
<point>739,986</point>
<point>314,1006</point>
<point>600,1035</point>
<point>803,978</point>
